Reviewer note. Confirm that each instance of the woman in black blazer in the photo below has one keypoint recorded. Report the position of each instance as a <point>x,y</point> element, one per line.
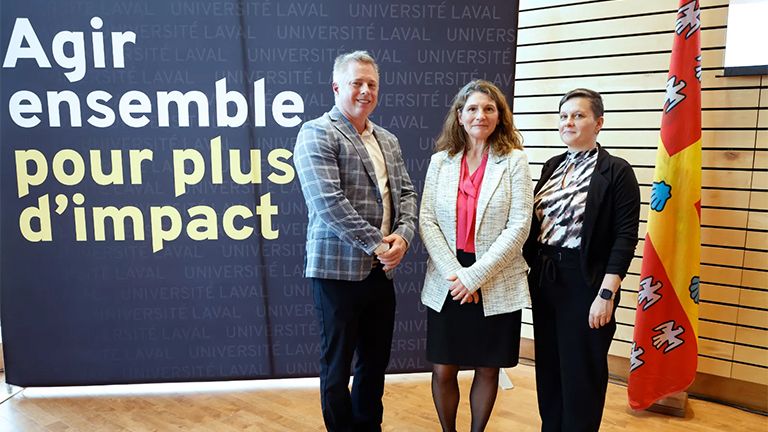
<point>582,240</point>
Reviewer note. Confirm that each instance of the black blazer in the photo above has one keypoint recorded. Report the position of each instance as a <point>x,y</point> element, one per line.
<point>611,218</point>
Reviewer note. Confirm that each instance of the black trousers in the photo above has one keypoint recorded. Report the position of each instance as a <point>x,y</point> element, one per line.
<point>571,358</point>
<point>356,319</point>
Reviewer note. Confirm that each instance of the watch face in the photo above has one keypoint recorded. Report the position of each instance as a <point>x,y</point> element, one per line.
<point>606,294</point>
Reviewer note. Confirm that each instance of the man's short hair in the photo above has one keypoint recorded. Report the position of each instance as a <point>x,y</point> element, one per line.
<point>340,65</point>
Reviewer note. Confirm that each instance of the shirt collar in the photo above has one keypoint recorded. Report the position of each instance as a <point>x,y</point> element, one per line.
<point>368,129</point>
<point>577,157</point>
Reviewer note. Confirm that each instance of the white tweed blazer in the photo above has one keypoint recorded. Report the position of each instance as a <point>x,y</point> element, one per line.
<point>502,222</point>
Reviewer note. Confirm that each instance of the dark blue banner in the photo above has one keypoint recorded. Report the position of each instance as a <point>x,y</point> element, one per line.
<point>152,224</point>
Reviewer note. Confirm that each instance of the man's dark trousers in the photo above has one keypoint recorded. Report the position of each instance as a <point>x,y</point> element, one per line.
<point>356,318</point>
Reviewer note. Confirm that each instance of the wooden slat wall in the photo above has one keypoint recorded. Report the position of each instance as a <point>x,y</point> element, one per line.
<point>621,48</point>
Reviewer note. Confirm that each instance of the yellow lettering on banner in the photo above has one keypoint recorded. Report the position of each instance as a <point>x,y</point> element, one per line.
<point>202,228</point>
<point>118,217</point>
<point>236,170</point>
<point>266,210</point>
<point>25,179</point>
<point>159,233</point>
<point>78,167</point>
<point>97,170</point>
<point>166,223</point>
<point>278,159</point>
<point>216,175</point>
<point>181,178</point>
<point>43,214</point>
<point>136,157</point>
<point>32,168</point>
<point>275,161</point>
<point>81,227</point>
<point>229,222</point>
<point>68,167</point>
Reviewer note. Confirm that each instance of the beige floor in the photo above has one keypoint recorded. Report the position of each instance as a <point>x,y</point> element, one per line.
<point>292,405</point>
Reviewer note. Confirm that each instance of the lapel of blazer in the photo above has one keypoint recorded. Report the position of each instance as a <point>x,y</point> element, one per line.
<point>449,193</point>
<point>494,170</point>
<point>546,172</point>
<point>388,151</point>
<point>598,185</point>
<point>344,126</point>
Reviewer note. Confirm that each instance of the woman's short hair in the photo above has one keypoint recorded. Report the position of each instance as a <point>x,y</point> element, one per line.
<point>453,138</point>
<point>595,100</point>
<point>341,62</point>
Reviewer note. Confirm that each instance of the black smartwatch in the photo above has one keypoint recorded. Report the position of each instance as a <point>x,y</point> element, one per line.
<point>605,294</point>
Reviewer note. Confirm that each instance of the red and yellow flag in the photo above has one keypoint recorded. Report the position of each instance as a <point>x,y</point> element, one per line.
<point>665,347</point>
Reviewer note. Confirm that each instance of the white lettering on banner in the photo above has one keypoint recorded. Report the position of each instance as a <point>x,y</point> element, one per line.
<point>24,34</point>
<point>68,49</point>
<point>133,107</point>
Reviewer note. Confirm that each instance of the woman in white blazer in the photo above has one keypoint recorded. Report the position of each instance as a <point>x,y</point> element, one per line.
<point>474,219</point>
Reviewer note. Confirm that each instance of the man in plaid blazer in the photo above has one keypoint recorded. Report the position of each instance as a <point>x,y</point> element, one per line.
<point>362,217</point>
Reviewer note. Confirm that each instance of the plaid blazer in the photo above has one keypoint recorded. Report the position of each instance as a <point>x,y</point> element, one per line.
<point>502,222</point>
<point>343,199</point>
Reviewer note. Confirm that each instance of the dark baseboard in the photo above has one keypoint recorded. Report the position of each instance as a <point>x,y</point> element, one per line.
<point>728,391</point>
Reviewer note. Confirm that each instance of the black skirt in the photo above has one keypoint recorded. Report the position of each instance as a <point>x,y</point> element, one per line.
<point>462,335</point>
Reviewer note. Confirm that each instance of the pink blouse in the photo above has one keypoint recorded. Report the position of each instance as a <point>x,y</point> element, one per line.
<point>466,204</point>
